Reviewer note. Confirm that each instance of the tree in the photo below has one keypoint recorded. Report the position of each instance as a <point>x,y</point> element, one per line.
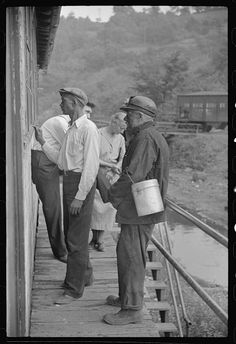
<point>154,10</point>
<point>175,9</point>
<point>175,68</point>
<point>185,10</point>
<point>71,15</point>
<point>158,81</point>
<point>128,10</point>
<point>201,9</point>
<point>101,58</point>
<point>217,66</point>
<point>180,10</point>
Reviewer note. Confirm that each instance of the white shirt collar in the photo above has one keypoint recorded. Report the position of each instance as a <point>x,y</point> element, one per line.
<point>79,120</point>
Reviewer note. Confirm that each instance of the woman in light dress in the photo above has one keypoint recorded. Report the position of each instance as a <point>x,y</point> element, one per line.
<point>112,151</point>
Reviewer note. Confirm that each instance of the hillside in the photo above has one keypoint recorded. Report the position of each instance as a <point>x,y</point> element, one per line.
<point>199,176</point>
<point>157,55</point>
<point>153,53</point>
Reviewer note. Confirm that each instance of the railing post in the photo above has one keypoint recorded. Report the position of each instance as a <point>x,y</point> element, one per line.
<point>209,301</point>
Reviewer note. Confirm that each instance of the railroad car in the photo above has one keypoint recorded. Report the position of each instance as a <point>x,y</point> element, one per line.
<point>210,109</point>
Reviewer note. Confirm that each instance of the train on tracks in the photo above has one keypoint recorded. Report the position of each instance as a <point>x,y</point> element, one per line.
<point>206,109</point>
<point>195,112</point>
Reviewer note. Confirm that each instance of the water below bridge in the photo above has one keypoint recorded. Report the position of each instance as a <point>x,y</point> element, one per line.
<point>201,255</point>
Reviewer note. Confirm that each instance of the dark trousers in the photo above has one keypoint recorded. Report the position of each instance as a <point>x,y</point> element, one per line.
<point>45,176</point>
<point>131,263</point>
<point>79,269</point>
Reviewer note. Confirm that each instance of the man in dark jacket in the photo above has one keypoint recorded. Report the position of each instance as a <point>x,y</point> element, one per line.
<point>147,157</point>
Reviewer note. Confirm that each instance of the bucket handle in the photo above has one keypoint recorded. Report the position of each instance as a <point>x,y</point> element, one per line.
<point>129,176</point>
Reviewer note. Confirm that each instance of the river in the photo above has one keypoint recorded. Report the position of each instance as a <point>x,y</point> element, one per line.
<point>201,255</point>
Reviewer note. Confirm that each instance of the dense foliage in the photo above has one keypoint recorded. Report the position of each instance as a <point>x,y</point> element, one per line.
<point>146,52</point>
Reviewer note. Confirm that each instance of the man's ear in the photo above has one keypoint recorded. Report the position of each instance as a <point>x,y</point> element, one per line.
<point>77,103</point>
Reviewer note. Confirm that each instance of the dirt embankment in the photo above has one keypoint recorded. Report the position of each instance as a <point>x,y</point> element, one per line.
<point>199,176</point>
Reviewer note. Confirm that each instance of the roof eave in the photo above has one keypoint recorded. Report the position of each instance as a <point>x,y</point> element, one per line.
<point>47,23</point>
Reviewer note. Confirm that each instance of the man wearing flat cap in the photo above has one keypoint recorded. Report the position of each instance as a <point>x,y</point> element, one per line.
<point>146,158</point>
<point>79,161</point>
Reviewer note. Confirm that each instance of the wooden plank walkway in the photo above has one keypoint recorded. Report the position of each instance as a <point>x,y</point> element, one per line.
<point>82,318</point>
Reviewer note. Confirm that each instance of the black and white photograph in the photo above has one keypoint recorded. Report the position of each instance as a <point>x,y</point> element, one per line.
<point>117,172</point>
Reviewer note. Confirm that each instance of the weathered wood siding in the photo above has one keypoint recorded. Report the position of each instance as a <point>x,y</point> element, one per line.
<point>22,199</point>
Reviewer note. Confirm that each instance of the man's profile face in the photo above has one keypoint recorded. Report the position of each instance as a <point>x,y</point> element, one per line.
<point>67,104</point>
<point>132,118</point>
<point>88,111</point>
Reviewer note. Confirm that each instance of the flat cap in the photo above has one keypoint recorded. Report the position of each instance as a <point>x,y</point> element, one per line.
<point>76,92</point>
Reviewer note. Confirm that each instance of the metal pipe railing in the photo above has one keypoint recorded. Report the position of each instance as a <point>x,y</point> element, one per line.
<point>209,301</point>
<point>172,291</point>
<point>207,229</point>
<point>185,316</point>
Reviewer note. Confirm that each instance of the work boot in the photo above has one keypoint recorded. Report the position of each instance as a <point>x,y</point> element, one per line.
<point>113,300</point>
<point>99,246</point>
<point>90,281</point>
<point>124,317</point>
<point>65,299</point>
<point>91,245</point>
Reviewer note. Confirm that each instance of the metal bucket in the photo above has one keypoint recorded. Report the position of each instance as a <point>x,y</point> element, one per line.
<point>147,197</point>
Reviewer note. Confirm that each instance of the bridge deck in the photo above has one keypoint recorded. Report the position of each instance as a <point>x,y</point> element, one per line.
<point>82,318</point>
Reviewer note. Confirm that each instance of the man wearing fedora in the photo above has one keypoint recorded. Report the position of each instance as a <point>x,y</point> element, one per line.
<point>79,161</point>
<point>146,158</point>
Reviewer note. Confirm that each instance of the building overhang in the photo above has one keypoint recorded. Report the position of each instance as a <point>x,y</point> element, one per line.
<point>47,23</point>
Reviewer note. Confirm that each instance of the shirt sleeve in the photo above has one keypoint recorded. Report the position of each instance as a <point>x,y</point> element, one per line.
<point>91,162</point>
<point>51,152</point>
<point>54,131</point>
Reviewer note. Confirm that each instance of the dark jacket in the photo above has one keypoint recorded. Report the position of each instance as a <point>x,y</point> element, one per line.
<point>147,157</point>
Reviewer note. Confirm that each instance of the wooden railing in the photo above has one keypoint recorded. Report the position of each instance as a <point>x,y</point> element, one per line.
<point>178,268</point>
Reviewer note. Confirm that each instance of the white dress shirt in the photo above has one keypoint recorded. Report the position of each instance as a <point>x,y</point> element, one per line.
<point>80,153</point>
<point>54,130</point>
